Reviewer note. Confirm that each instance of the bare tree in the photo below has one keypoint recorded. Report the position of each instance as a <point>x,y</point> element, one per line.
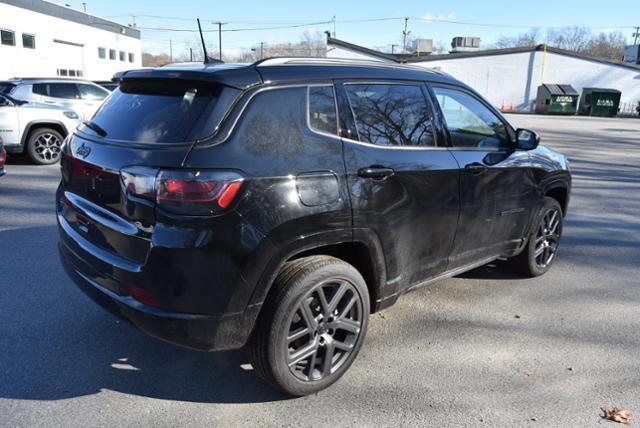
<point>528,39</point>
<point>576,39</point>
<point>607,45</point>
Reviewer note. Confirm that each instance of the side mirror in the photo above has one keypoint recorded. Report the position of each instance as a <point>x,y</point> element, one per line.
<point>527,139</point>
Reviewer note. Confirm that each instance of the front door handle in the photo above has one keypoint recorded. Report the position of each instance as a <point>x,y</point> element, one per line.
<point>475,168</point>
<point>376,172</point>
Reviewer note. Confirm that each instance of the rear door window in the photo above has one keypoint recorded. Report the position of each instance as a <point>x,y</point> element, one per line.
<point>162,110</point>
<point>6,88</point>
<point>322,109</point>
<point>64,90</point>
<point>391,114</point>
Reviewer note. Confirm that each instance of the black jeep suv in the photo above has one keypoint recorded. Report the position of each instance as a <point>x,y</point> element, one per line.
<point>278,204</point>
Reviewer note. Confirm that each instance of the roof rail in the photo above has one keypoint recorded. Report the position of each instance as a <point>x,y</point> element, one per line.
<point>314,61</point>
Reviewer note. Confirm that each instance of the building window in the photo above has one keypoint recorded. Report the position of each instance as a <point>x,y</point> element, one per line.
<point>28,41</point>
<point>112,54</point>
<point>79,73</point>
<point>62,72</point>
<point>72,73</point>
<point>123,56</point>
<point>7,38</point>
<point>102,53</point>
<point>132,57</point>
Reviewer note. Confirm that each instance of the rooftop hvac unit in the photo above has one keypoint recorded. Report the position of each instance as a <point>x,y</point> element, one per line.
<point>464,44</point>
<point>423,46</point>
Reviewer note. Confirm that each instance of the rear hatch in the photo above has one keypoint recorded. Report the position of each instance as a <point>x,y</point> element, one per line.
<point>143,131</point>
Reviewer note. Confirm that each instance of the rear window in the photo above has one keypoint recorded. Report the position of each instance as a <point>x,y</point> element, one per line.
<point>162,110</point>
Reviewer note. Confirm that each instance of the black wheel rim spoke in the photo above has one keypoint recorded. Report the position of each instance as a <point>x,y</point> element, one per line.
<point>547,237</point>
<point>323,330</point>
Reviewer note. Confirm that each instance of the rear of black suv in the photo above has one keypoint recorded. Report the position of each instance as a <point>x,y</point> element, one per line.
<point>171,220</point>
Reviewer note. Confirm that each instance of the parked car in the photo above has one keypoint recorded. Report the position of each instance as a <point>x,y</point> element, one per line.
<point>279,204</point>
<point>82,96</point>
<point>35,129</point>
<point>3,158</point>
<point>107,84</point>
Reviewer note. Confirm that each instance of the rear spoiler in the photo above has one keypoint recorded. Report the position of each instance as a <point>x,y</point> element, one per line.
<point>236,77</point>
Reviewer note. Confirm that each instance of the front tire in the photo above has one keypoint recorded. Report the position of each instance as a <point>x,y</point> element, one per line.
<point>44,146</point>
<point>542,245</point>
<point>312,327</point>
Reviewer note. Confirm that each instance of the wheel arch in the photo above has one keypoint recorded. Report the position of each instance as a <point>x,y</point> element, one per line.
<point>559,190</point>
<point>363,252</point>
<point>35,124</point>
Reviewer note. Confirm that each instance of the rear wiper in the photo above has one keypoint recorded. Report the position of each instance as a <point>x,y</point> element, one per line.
<point>95,128</point>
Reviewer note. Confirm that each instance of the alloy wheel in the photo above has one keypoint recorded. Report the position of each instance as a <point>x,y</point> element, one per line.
<point>323,330</point>
<point>47,146</point>
<point>548,237</point>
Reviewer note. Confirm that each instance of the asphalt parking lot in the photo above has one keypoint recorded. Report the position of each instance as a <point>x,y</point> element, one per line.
<point>487,348</point>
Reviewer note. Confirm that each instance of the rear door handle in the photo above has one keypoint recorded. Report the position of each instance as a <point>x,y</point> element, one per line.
<point>376,172</point>
<point>475,168</point>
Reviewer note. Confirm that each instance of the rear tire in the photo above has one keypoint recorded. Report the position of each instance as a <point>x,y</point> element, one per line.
<point>44,146</point>
<point>312,326</point>
<point>542,245</point>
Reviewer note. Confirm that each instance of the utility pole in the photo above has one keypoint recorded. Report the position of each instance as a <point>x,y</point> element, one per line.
<point>405,33</point>
<point>261,50</point>
<point>334,27</point>
<point>393,48</point>
<point>191,54</point>
<point>84,7</point>
<point>133,19</point>
<point>220,24</point>
<point>170,50</point>
<point>636,35</point>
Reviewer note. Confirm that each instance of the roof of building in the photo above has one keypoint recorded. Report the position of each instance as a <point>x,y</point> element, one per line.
<point>288,69</point>
<point>68,14</point>
<point>474,54</point>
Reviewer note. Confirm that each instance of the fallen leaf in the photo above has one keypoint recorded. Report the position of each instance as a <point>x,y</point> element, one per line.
<point>617,415</point>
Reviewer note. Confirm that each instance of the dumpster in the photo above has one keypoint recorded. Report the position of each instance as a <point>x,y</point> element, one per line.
<point>556,99</point>
<point>599,102</point>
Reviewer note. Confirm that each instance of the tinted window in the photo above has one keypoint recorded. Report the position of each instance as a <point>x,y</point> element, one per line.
<point>41,88</point>
<point>102,53</point>
<point>391,115</point>
<point>112,54</point>
<point>322,109</point>
<point>29,41</point>
<point>93,93</point>
<point>470,123</point>
<point>159,111</point>
<point>132,57</point>
<point>122,56</point>
<point>7,38</point>
<point>64,90</point>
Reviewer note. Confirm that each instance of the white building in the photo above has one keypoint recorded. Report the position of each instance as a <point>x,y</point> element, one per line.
<point>42,39</point>
<point>510,77</point>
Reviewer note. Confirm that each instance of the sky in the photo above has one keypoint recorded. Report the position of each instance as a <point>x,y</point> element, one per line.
<point>499,18</point>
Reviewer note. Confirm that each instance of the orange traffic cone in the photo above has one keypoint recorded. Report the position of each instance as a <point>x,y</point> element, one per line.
<point>502,107</point>
<point>511,107</point>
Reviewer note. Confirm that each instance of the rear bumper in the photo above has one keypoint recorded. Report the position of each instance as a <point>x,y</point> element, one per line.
<point>195,331</point>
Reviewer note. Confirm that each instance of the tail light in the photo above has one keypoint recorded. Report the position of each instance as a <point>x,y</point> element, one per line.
<point>185,192</point>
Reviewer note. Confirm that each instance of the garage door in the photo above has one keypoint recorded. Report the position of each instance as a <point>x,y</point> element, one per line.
<point>69,58</point>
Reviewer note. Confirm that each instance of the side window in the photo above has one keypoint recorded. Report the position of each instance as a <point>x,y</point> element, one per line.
<point>102,53</point>
<point>112,54</point>
<point>322,109</point>
<point>41,89</point>
<point>470,123</point>
<point>7,38</point>
<point>64,90</point>
<point>391,114</point>
<point>92,93</point>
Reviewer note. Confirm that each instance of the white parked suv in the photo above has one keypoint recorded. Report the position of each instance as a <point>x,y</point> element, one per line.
<point>82,96</point>
<point>34,128</point>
